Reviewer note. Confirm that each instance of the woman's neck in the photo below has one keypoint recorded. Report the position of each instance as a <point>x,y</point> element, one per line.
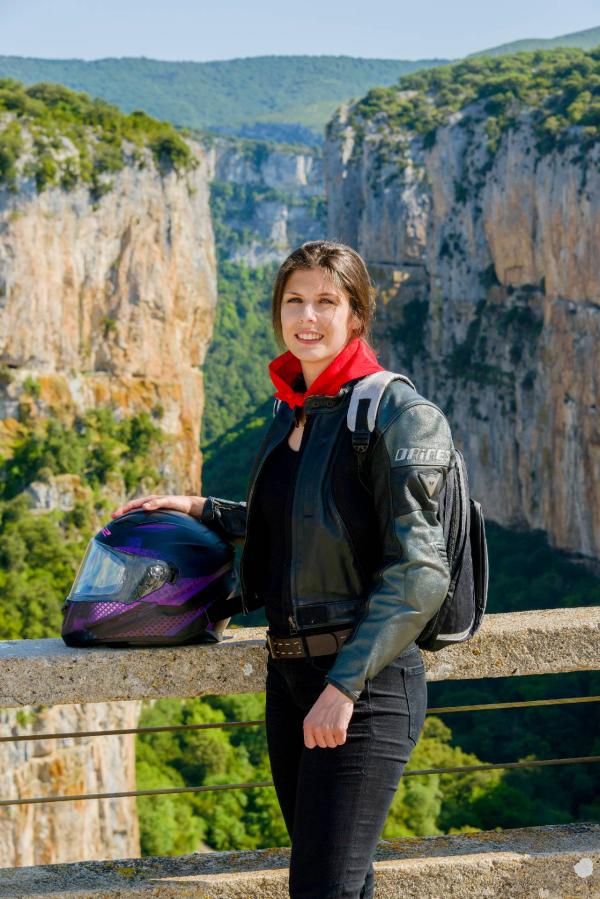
<point>312,372</point>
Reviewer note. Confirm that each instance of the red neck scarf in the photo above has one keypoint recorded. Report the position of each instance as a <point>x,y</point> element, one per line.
<point>355,360</point>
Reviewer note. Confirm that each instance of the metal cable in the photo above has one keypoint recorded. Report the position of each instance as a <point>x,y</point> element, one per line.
<point>178,727</point>
<point>269,783</point>
<point>128,730</point>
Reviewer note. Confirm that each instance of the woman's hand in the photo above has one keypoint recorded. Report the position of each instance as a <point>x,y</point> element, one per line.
<point>191,505</point>
<point>327,722</point>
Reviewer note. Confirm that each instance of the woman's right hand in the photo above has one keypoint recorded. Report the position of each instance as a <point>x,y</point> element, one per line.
<point>191,505</point>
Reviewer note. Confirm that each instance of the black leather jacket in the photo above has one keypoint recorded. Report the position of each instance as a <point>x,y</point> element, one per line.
<point>409,456</point>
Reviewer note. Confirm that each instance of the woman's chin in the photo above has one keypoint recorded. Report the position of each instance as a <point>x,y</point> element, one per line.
<point>316,350</point>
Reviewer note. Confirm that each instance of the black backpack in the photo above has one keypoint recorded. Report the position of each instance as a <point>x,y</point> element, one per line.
<point>460,615</point>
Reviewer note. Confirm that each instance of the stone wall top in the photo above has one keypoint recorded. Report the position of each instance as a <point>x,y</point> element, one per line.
<point>46,672</point>
<point>551,862</point>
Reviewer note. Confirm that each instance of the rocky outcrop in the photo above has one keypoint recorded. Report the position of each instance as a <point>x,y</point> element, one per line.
<point>268,197</point>
<point>74,830</point>
<point>489,297</point>
<point>110,302</point>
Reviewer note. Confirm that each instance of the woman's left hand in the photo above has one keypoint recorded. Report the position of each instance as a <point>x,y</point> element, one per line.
<point>327,722</point>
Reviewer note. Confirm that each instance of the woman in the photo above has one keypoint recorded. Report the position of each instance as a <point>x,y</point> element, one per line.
<point>348,559</point>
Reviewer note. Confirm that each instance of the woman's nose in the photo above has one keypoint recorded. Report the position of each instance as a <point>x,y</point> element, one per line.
<point>308,314</point>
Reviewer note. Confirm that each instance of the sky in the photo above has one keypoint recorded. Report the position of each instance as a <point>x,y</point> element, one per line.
<point>227,29</point>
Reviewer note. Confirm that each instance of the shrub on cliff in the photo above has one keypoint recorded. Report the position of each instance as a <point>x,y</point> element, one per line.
<point>95,446</point>
<point>561,89</point>
<point>64,138</point>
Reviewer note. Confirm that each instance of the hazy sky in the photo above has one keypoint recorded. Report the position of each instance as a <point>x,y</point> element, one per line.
<point>224,29</point>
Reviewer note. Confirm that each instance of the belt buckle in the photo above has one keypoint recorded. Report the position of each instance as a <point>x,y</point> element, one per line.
<point>270,645</point>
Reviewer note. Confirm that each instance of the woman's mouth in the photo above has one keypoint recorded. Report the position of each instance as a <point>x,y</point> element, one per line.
<point>308,336</point>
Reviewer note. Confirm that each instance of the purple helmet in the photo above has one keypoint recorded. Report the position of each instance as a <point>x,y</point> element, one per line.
<point>149,578</point>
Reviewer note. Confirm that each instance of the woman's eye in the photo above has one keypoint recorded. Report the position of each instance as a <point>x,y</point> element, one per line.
<point>326,300</point>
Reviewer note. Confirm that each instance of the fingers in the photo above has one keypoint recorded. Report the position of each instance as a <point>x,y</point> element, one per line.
<point>324,739</point>
<point>134,504</point>
<point>156,501</point>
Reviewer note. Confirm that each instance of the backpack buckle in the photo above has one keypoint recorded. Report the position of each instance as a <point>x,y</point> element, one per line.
<point>360,441</point>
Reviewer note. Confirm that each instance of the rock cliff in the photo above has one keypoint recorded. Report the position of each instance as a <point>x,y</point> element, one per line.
<point>267,198</point>
<point>489,298</point>
<point>111,302</point>
<point>77,830</point>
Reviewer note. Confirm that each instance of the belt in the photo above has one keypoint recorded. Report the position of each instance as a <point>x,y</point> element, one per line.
<point>307,644</point>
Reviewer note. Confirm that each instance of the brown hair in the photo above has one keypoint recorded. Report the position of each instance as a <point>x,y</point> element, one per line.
<point>347,271</point>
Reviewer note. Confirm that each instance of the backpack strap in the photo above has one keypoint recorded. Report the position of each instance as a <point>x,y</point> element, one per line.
<point>364,403</point>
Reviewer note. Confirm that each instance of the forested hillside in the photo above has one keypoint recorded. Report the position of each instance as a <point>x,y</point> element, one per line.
<point>585,40</point>
<point>277,97</point>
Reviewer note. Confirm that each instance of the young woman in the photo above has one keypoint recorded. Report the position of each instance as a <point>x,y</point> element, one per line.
<point>349,562</point>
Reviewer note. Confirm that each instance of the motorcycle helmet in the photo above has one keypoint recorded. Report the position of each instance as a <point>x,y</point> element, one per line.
<point>149,579</point>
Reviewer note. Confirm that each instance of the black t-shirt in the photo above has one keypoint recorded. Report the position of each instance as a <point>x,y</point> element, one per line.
<point>272,519</point>
<point>271,540</point>
<point>271,526</point>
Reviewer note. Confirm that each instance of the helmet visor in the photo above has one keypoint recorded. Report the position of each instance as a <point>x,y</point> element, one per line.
<point>115,576</point>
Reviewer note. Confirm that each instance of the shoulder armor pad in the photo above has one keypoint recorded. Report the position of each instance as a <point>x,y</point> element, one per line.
<point>366,397</point>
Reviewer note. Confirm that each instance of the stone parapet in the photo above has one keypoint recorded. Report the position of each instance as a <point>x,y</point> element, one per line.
<point>46,672</point>
<point>552,862</point>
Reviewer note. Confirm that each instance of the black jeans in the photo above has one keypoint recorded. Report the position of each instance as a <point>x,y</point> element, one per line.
<point>335,801</point>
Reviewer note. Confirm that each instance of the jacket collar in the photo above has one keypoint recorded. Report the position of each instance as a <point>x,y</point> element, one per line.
<point>354,361</point>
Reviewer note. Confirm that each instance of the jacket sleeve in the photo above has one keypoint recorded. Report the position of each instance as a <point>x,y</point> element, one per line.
<point>227,517</point>
<point>407,469</point>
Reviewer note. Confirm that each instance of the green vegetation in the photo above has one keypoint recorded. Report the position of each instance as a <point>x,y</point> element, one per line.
<point>96,447</point>
<point>39,552</point>
<point>283,98</point>
<point>235,206</point>
<point>251,819</point>
<point>236,819</point>
<point>38,561</point>
<point>236,368</point>
<point>228,458</point>
<point>560,88</point>
<point>526,574</point>
<point>66,138</point>
<point>586,40</point>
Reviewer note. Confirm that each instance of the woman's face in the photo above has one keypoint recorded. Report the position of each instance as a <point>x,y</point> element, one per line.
<point>316,318</point>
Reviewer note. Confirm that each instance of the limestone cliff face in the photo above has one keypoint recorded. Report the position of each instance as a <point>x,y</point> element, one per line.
<point>272,198</point>
<point>489,297</point>
<point>68,831</point>
<point>103,304</point>
<point>112,303</point>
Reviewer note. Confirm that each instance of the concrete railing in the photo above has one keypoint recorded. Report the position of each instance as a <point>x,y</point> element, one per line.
<point>46,672</point>
<point>541,862</point>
